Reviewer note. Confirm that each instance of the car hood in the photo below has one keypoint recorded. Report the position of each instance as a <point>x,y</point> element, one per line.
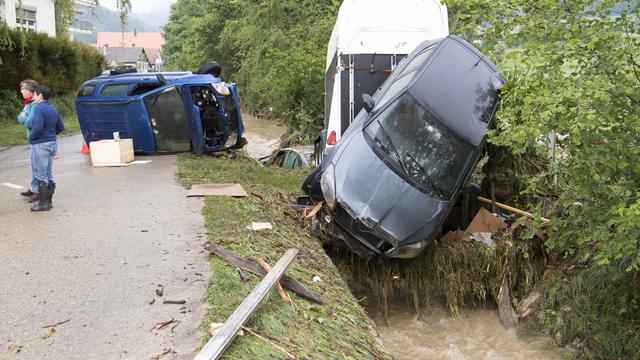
<point>371,192</point>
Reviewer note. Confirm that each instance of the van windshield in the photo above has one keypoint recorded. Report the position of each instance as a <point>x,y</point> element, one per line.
<point>421,147</point>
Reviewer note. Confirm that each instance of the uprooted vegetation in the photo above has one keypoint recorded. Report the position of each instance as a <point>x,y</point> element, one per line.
<point>338,329</point>
<point>464,273</point>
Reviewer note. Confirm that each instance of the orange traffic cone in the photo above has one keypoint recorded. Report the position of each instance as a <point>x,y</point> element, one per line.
<point>85,148</point>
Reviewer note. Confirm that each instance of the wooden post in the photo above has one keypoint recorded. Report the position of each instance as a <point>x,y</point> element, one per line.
<point>217,345</point>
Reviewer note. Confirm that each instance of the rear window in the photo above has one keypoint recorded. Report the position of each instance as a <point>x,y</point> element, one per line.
<point>113,90</point>
<point>86,90</point>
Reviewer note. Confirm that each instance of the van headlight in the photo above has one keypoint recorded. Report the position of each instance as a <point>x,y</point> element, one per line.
<point>231,140</point>
<point>407,251</point>
<point>221,88</point>
<point>328,186</point>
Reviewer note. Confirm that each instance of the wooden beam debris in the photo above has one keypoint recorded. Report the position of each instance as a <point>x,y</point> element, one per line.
<point>511,208</point>
<point>217,345</point>
<point>286,281</point>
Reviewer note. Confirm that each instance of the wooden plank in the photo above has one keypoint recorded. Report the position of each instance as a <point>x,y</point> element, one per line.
<point>263,264</point>
<point>234,190</point>
<point>217,345</point>
<point>510,208</point>
<point>288,282</point>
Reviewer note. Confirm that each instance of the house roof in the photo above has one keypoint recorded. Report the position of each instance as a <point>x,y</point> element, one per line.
<point>152,40</point>
<point>123,55</point>
<point>152,53</point>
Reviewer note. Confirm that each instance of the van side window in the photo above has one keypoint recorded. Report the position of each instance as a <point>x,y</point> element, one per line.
<point>86,90</point>
<point>113,90</point>
<point>169,120</point>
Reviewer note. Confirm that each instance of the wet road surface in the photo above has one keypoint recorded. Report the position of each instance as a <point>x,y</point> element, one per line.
<point>94,261</point>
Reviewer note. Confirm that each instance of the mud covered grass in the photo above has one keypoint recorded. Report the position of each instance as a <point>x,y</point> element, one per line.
<point>339,329</point>
<point>461,274</point>
<point>13,133</point>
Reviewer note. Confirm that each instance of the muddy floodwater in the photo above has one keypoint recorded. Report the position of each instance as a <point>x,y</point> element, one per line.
<point>477,335</point>
<point>263,136</point>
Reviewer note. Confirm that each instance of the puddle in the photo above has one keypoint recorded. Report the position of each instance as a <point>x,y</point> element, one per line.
<point>477,335</point>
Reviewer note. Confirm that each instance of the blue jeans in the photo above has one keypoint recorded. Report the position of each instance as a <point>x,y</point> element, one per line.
<point>42,160</point>
<point>34,182</point>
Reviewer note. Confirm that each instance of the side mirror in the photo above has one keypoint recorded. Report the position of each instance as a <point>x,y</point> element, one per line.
<point>368,103</point>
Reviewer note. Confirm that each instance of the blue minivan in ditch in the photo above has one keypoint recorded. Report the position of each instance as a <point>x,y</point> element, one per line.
<point>165,112</point>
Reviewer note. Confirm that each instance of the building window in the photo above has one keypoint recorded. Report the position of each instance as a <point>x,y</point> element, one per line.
<point>26,19</point>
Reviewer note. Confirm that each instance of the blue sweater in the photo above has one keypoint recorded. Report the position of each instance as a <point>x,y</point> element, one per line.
<point>45,123</point>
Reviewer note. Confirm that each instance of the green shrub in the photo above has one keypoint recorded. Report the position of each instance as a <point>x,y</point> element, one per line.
<point>10,104</point>
<point>58,63</point>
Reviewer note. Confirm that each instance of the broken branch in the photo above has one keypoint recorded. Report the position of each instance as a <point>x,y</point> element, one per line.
<point>263,264</point>
<point>268,341</point>
<point>161,325</point>
<point>174,302</point>
<point>56,324</point>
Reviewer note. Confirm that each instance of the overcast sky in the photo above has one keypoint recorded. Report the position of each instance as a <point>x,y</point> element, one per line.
<point>142,6</point>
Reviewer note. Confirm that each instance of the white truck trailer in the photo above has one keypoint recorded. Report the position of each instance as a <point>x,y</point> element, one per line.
<point>369,38</point>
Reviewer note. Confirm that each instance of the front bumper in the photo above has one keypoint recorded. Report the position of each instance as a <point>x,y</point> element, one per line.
<point>368,243</point>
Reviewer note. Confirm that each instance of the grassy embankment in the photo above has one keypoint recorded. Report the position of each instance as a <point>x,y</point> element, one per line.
<point>339,329</point>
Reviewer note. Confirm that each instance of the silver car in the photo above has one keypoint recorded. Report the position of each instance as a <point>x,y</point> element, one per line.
<point>391,181</point>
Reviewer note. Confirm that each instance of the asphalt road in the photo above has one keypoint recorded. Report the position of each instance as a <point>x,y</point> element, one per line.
<point>94,261</point>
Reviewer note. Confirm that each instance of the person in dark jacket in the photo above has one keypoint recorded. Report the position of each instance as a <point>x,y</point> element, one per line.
<point>45,125</point>
<point>26,89</point>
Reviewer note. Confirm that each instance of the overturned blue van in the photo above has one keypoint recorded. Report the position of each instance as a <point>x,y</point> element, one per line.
<point>166,112</point>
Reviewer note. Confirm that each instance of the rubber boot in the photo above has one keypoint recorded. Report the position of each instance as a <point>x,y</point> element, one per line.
<point>52,189</point>
<point>43,202</point>
<point>34,197</point>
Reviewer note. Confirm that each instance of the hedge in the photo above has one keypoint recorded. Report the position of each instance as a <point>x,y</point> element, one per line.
<point>58,63</point>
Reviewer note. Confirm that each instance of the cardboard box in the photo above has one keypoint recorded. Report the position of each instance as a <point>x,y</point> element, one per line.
<point>111,152</point>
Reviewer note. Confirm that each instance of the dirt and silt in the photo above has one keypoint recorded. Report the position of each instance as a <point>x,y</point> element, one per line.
<point>476,333</point>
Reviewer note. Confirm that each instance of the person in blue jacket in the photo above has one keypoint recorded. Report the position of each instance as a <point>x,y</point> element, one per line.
<point>26,89</point>
<point>45,125</point>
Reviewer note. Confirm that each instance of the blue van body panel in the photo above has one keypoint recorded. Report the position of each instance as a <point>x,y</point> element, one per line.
<point>108,108</point>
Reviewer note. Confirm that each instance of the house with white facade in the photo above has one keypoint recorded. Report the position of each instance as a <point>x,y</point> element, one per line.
<point>39,16</point>
<point>32,15</point>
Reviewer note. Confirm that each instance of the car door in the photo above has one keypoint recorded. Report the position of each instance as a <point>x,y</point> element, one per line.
<point>168,120</point>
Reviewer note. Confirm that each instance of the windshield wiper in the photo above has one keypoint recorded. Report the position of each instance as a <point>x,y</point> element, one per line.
<point>426,175</point>
<point>393,148</point>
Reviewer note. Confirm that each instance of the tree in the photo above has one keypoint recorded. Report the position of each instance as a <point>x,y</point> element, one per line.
<point>275,51</point>
<point>572,67</point>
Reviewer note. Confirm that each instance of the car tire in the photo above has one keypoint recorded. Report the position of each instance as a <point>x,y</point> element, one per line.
<point>122,70</point>
<point>211,67</point>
